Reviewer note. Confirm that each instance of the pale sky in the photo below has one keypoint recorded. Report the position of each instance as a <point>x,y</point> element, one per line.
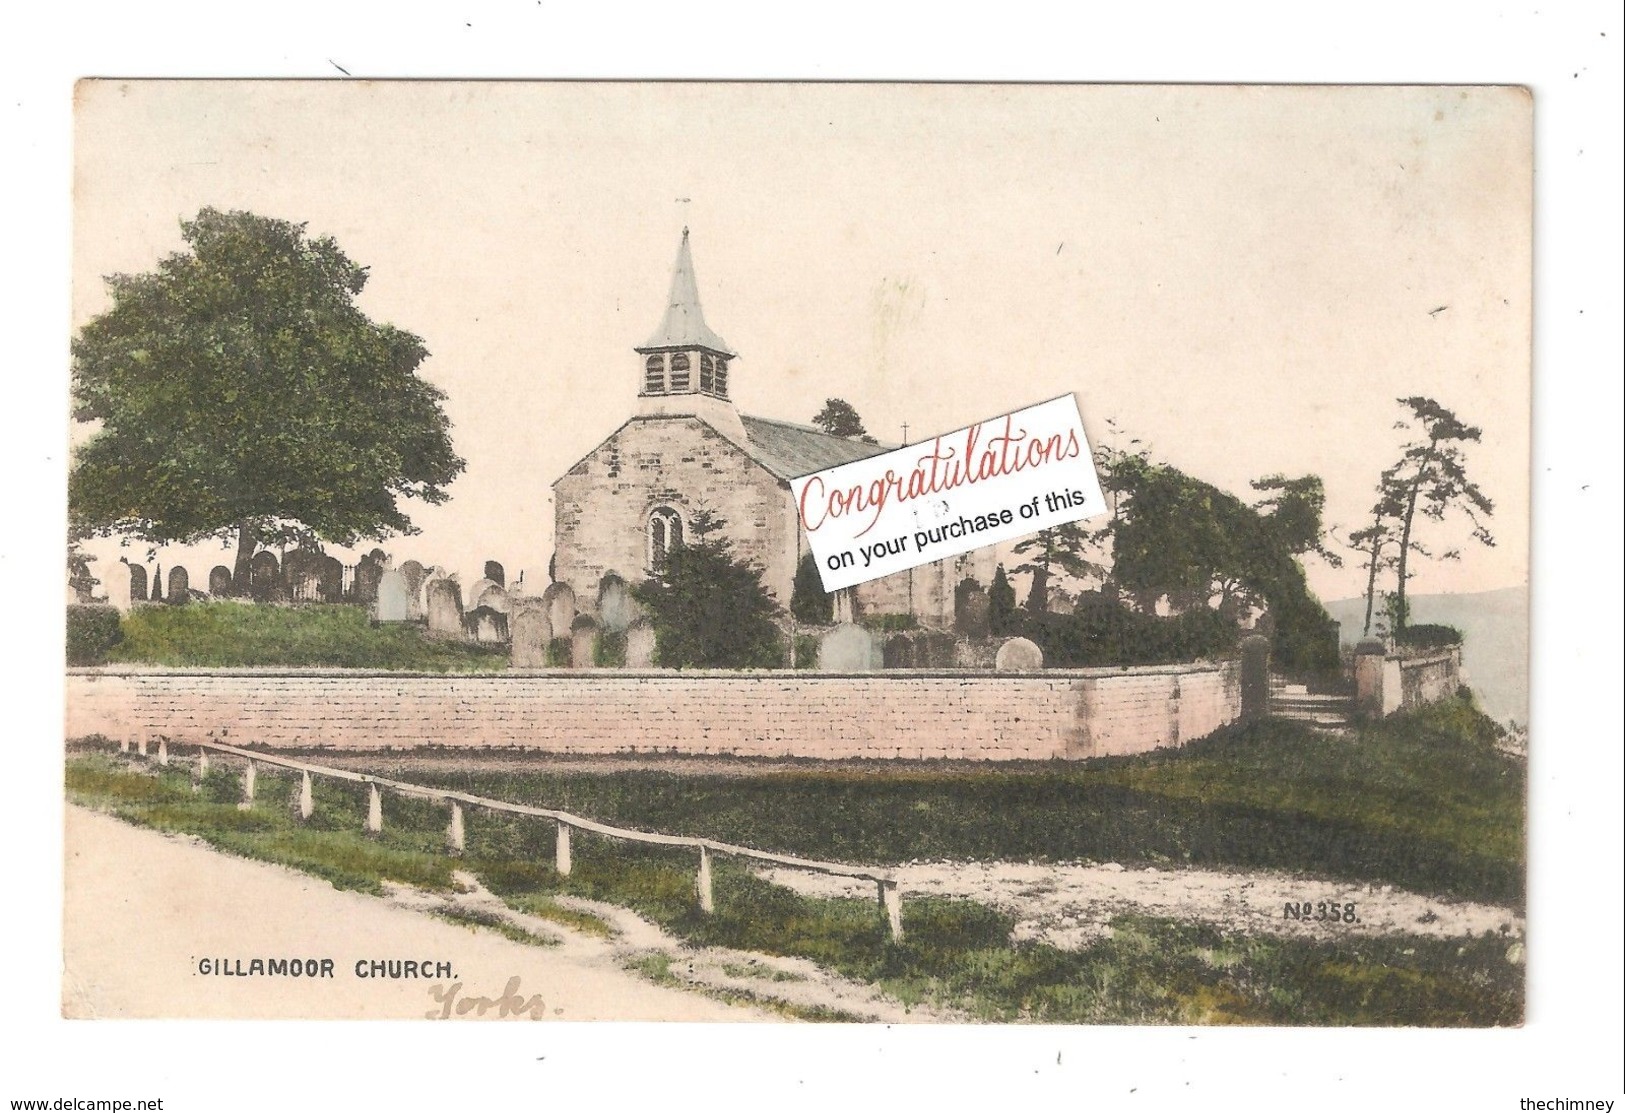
<point>1244,278</point>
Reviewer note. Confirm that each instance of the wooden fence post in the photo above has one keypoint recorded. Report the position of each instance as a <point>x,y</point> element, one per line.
<point>891,905</point>
<point>455,842</point>
<point>375,811</point>
<point>702,882</point>
<point>561,850</point>
<point>307,799</point>
<point>248,786</point>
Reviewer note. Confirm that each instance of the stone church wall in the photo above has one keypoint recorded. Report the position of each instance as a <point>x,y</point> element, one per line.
<point>1073,713</point>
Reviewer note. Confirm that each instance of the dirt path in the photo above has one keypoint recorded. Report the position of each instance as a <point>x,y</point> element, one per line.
<point>142,908</point>
<point>1069,905</point>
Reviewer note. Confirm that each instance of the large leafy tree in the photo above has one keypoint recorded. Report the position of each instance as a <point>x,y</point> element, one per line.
<point>1053,554</point>
<point>1430,479</point>
<point>240,390</point>
<point>838,418</point>
<point>709,608</point>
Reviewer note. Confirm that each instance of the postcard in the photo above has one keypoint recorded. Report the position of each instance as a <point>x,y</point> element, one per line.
<point>451,635</point>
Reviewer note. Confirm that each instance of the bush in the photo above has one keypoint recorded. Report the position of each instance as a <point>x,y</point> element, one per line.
<point>609,651</point>
<point>559,653</point>
<point>810,604</point>
<point>93,631</point>
<point>1102,631</point>
<point>1428,636</point>
<point>888,623</point>
<point>806,649</point>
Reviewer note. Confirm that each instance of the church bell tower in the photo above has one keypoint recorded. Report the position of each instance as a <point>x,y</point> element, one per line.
<point>685,366</point>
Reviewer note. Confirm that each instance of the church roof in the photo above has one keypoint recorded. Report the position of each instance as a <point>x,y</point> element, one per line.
<point>789,450</point>
<point>684,325</point>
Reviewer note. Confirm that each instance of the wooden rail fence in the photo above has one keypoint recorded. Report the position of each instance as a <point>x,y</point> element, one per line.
<point>889,898</point>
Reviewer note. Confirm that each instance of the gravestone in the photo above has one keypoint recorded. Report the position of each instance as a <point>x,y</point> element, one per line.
<point>391,597</point>
<point>933,649</point>
<point>138,584</point>
<point>1062,603</point>
<point>583,639</point>
<point>180,586</point>
<point>443,601</point>
<point>640,644</point>
<point>486,626</point>
<point>1018,655</point>
<point>301,572</point>
<point>368,571</point>
<point>493,596</point>
<point>898,652</point>
<point>220,581</point>
<point>847,648</point>
<point>264,573</point>
<point>616,607</point>
<point>561,607</point>
<point>330,580</point>
<point>530,632</point>
<point>494,573</point>
<point>971,609</point>
<point>414,574</point>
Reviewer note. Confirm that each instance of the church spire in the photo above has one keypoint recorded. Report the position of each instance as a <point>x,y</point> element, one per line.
<point>684,325</point>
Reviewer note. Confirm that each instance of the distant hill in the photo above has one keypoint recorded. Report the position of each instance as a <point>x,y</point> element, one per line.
<point>1495,653</point>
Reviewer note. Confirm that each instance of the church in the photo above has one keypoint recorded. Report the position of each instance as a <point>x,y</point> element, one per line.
<point>686,448</point>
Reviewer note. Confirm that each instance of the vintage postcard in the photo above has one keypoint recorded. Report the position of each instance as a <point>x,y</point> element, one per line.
<point>799,552</point>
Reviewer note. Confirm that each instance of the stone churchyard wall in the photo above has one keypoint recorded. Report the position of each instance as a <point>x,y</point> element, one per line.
<point>1056,713</point>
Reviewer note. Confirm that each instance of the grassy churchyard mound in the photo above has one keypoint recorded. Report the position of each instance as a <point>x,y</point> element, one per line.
<point>1422,801</point>
<point>249,635</point>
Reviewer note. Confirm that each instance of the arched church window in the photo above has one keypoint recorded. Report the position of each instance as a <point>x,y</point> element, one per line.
<point>665,534</point>
<point>722,378</point>
<point>654,375</point>
<point>679,373</point>
<point>708,374</point>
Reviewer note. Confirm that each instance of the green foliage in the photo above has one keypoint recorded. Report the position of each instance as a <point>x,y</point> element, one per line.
<point>229,635</point>
<point>93,632</point>
<point>1103,631</point>
<point>839,419</point>
<point>609,650</point>
<point>560,653</point>
<point>809,602</point>
<point>238,387</point>
<point>806,651</point>
<point>1429,636</point>
<point>1053,554</point>
<point>709,609</point>
<point>889,623</point>
<point>1001,603</point>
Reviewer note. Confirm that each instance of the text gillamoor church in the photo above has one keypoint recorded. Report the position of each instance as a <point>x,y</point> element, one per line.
<point>686,448</point>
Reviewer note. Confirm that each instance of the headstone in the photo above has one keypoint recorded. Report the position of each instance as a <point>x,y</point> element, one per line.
<point>444,603</point>
<point>640,644</point>
<point>414,574</point>
<point>220,581</point>
<point>264,572</point>
<point>138,584</point>
<point>494,573</point>
<point>368,571</point>
<point>486,626</point>
<point>898,652</point>
<point>561,607</point>
<point>392,597</point>
<point>847,648</point>
<point>494,597</point>
<point>583,639</point>
<point>330,580</point>
<point>530,632</point>
<point>971,610</point>
<point>1062,603</point>
<point>180,587</point>
<point>616,607</point>
<point>1018,655</point>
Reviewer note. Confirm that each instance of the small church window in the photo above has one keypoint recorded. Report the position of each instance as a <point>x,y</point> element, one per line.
<point>722,378</point>
<point>654,375</point>
<point>679,373</point>
<point>708,374</point>
<point>665,534</point>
